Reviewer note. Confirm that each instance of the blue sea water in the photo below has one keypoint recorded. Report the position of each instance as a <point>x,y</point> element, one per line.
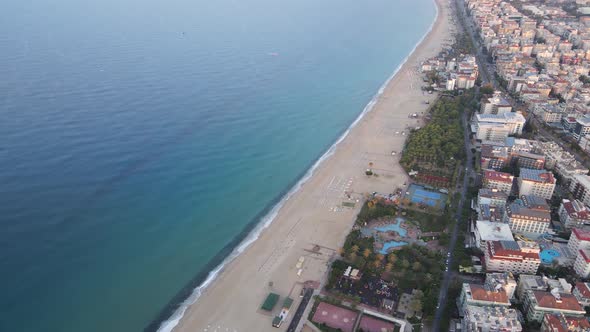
<point>139,140</point>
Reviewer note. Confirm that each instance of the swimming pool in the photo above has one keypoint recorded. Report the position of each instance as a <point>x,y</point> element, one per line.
<point>429,194</point>
<point>393,227</point>
<point>391,244</point>
<point>420,195</point>
<point>547,256</point>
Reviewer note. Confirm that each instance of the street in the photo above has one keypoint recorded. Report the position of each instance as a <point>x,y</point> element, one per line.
<point>447,277</point>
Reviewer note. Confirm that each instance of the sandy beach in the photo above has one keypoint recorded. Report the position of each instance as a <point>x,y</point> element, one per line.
<point>313,223</point>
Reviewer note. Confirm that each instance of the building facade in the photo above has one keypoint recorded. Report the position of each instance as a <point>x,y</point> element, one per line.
<point>582,263</point>
<point>508,256</point>
<point>573,213</point>
<point>526,220</point>
<point>490,319</point>
<point>498,180</point>
<point>562,323</point>
<point>539,303</point>
<point>536,182</point>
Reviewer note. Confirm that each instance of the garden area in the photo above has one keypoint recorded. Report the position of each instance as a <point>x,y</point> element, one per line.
<point>436,149</point>
<point>383,276</point>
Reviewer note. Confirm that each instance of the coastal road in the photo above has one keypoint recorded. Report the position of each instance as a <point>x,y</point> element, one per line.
<point>448,275</point>
<point>300,310</point>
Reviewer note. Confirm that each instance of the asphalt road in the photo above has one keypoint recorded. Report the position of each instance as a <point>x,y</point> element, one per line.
<point>300,309</point>
<point>448,275</point>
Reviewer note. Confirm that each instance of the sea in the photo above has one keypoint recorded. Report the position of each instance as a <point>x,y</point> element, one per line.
<point>144,143</point>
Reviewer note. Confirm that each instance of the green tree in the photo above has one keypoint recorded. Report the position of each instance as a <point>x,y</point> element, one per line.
<point>416,266</point>
<point>405,264</point>
<point>487,89</point>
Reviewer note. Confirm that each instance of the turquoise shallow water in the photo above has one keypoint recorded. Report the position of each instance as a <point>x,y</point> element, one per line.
<point>141,139</point>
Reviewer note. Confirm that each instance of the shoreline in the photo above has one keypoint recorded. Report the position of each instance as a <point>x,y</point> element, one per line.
<point>184,315</point>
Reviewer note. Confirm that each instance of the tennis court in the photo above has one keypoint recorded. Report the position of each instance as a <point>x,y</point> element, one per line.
<point>335,317</point>
<point>420,195</point>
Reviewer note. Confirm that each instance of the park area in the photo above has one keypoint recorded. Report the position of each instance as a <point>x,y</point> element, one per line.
<point>433,152</point>
<point>386,253</point>
<point>369,290</point>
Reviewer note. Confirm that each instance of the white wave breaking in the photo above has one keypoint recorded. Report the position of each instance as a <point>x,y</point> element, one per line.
<point>169,324</point>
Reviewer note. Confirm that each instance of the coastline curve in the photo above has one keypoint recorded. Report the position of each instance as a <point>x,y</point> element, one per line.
<point>170,323</point>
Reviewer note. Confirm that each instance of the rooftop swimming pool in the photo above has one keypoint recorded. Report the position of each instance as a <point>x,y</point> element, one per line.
<point>548,255</point>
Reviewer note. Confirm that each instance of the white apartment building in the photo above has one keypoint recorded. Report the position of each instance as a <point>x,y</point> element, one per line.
<point>486,231</point>
<point>498,180</point>
<point>539,303</point>
<point>491,197</point>
<point>526,220</point>
<point>573,213</point>
<point>481,296</point>
<point>580,239</point>
<point>495,105</point>
<point>582,263</point>
<point>536,182</point>
<point>580,188</point>
<point>510,256</point>
<point>490,319</point>
<point>496,127</point>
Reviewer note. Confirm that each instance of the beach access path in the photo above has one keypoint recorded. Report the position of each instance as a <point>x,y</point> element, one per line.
<point>308,224</point>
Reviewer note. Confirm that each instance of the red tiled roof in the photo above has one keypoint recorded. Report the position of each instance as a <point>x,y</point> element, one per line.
<point>583,289</point>
<point>557,325</point>
<point>498,252</point>
<point>566,301</point>
<point>581,234</point>
<point>584,255</point>
<point>583,213</point>
<point>498,176</point>
<point>479,293</point>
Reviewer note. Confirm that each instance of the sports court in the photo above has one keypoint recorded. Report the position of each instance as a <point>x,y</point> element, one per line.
<point>373,324</point>
<point>335,317</point>
<point>421,195</point>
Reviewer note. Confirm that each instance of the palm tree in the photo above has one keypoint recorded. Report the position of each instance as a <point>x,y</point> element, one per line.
<point>405,263</point>
<point>392,258</point>
<point>379,257</point>
<point>377,263</point>
<point>388,267</point>
<point>367,253</point>
<point>416,266</point>
<point>355,249</point>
